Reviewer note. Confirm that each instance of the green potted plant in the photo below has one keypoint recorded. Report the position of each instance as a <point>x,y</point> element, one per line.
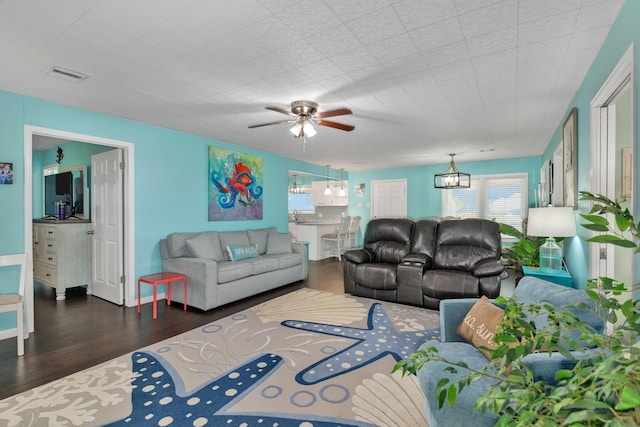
<point>603,388</point>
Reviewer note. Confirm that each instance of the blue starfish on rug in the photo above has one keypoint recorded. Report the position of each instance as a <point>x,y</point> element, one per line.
<point>379,339</point>
<point>158,397</point>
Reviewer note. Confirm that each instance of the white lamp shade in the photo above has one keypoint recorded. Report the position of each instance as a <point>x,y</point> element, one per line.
<point>551,222</point>
<point>308,129</point>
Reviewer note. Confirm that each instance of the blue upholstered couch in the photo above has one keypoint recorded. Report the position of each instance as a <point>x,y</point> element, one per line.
<point>453,348</point>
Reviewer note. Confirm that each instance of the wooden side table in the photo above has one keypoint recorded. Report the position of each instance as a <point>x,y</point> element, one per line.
<point>561,277</point>
<point>159,279</point>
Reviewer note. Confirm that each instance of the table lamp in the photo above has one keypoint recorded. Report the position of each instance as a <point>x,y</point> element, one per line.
<point>551,222</point>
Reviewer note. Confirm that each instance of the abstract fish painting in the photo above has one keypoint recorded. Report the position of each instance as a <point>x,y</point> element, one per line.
<point>235,185</point>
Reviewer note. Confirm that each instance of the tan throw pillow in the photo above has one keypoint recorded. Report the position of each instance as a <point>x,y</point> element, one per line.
<point>480,324</point>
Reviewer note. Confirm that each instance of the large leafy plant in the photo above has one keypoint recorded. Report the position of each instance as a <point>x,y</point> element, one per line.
<point>524,252</point>
<point>603,388</point>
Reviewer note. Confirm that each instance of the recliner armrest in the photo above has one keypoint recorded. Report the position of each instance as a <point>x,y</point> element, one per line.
<point>452,313</point>
<point>358,256</point>
<point>426,260</point>
<point>488,267</point>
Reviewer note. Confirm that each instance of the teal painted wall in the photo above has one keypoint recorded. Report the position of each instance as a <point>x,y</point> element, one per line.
<point>170,177</point>
<point>422,199</point>
<point>623,33</point>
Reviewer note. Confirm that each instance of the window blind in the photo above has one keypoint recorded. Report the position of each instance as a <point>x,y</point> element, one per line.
<point>501,198</point>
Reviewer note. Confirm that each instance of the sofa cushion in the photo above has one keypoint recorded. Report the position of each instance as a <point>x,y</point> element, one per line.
<point>424,237</point>
<point>462,243</point>
<point>376,276</point>
<point>279,243</point>
<point>531,290</point>
<point>389,239</point>
<point>238,252</point>
<point>262,264</point>
<point>176,245</point>
<point>232,238</point>
<point>205,245</point>
<point>287,260</point>
<point>445,284</point>
<point>462,414</point>
<point>228,271</point>
<point>480,324</point>
<point>260,236</point>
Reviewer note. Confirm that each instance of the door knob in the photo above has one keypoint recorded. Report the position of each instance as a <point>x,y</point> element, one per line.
<point>90,232</point>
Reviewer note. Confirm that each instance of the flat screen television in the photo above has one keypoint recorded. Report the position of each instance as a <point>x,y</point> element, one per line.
<point>57,188</point>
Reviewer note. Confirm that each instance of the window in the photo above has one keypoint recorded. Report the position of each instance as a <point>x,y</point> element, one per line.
<point>301,203</point>
<point>502,198</point>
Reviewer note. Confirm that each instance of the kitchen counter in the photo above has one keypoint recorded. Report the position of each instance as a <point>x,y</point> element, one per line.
<point>312,232</point>
<point>336,223</point>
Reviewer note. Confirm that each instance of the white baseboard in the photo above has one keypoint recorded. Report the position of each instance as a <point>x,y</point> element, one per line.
<point>149,299</point>
<point>8,333</point>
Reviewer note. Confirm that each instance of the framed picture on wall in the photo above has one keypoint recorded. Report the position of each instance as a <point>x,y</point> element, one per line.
<point>570,159</point>
<point>546,184</point>
<point>6,173</point>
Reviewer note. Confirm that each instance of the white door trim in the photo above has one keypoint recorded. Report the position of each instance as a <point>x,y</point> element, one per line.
<point>129,215</point>
<point>623,74</point>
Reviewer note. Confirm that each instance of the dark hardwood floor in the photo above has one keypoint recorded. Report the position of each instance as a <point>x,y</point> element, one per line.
<point>83,331</point>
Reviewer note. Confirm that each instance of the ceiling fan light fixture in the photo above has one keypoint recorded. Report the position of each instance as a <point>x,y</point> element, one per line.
<point>304,115</point>
<point>303,128</point>
<point>296,130</point>
<point>452,178</point>
<point>308,129</point>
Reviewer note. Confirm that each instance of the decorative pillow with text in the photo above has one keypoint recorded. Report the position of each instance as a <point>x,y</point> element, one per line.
<point>238,252</point>
<point>480,324</point>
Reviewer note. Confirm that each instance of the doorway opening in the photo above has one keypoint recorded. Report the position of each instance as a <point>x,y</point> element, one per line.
<point>613,159</point>
<point>128,201</point>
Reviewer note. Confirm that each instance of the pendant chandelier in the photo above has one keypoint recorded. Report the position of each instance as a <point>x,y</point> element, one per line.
<point>294,189</point>
<point>327,191</point>
<point>342,191</point>
<point>452,178</point>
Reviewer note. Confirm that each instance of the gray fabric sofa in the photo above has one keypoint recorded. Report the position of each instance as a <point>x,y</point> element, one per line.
<point>213,279</point>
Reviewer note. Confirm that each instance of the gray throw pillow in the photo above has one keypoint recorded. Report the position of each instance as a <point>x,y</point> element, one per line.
<point>232,238</point>
<point>206,246</point>
<point>279,243</point>
<point>259,237</point>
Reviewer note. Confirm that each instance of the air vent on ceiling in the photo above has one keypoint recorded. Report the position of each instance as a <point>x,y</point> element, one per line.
<point>67,74</point>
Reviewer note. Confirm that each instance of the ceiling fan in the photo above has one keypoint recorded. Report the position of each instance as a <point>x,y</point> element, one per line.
<point>304,114</point>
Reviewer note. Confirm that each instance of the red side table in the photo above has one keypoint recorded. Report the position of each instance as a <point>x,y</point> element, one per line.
<point>159,279</point>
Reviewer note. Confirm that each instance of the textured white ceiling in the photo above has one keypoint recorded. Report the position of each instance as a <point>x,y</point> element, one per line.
<point>423,77</point>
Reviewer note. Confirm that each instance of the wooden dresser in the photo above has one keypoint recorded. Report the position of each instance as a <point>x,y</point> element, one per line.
<point>61,254</point>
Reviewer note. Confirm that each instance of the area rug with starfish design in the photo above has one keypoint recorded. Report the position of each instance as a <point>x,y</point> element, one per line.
<point>306,359</point>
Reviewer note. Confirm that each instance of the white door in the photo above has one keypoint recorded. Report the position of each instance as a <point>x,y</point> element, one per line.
<point>389,199</point>
<point>107,225</point>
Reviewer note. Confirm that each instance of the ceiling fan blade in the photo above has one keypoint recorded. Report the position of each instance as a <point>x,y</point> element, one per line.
<point>335,125</point>
<point>271,123</point>
<point>333,113</point>
<point>281,110</point>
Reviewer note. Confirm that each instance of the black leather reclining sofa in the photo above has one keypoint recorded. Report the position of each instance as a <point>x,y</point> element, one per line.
<point>423,262</point>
